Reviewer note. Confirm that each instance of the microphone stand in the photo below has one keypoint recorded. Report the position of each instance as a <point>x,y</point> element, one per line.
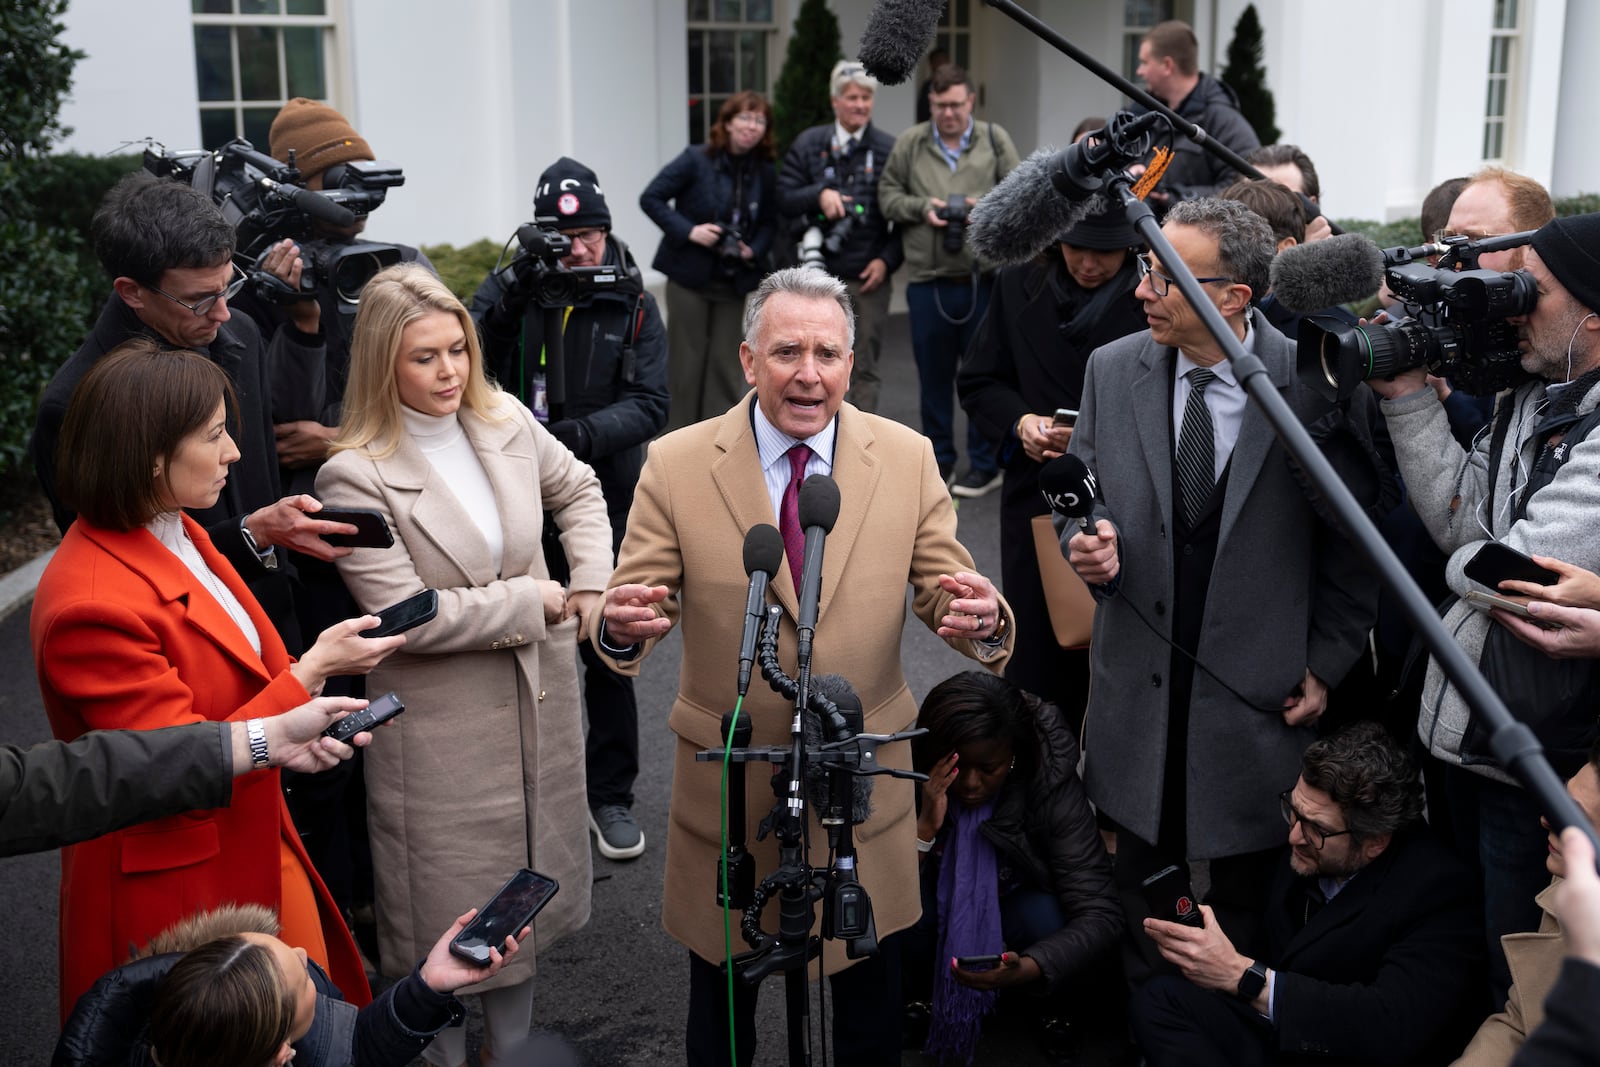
<point>1511,742</point>
<point>847,911</point>
<point>1042,30</point>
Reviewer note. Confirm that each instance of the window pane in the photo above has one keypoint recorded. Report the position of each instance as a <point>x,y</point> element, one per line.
<point>258,63</point>
<point>963,51</point>
<point>753,61</point>
<point>302,54</point>
<point>697,120</point>
<point>1496,107</point>
<point>758,10</point>
<point>260,7</point>
<point>212,7</point>
<point>258,125</point>
<point>963,13</point>
<point>949,13</point>
<point>1499,53</point>
<point>216,127</point>
<point>213,62</point>
<point>699,10</point>
<point>729,11</point>
<point>697,62</point>
<point>724,70</point>
<point>307,7</point>
<point>1492,140</point>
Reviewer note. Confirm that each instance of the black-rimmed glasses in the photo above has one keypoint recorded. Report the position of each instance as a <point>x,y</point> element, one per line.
<point>1160,281</point>
<point>1316,836</point>
<point>203,306</point>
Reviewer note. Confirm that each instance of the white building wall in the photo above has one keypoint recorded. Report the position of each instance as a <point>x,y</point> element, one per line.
<point>138,79</point>
<point>1577,149</point>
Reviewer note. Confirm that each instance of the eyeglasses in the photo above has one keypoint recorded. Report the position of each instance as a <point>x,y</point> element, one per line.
<point>1160,281</point>
<point>593,237</point>
<point>1316,836</point>
<point>1441,236</point>
<point>202,306</point>
<point>749,118</point>
<point>957,106</point>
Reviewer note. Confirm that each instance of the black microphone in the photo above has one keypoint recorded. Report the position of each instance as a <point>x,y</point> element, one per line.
<point>818,508</point>
<point>822,785</point>
<point>312,203</point>
<point>763,555</point>
<point>1315,276</point>
<point>898,33</point>
<point>1069,488</point>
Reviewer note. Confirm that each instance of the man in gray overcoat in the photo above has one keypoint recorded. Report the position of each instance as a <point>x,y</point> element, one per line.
<point>1228,608</point>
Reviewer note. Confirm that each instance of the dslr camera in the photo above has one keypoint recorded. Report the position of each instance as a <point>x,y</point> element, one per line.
<point>729,257</point>
<point>266,201</point>
<point>823,238</point>
<point>1456,325</point>
<point>955,212</point>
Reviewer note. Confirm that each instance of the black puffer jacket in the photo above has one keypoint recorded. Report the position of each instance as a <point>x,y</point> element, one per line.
<point>1214,107</point>
<point>815,163</point>
<point>1044,829</point>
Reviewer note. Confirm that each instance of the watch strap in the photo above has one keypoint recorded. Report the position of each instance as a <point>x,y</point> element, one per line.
<point>257,733</point>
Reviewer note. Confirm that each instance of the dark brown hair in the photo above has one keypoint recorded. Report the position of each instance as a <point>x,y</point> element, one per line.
<point>129,413</point>
<point>1369,776</point>
<point>1274,202</point>
<point>225,1004</point>
<point>1437,204</point>
<point>1288,155</point>
<point>737,104</point>
<point>948,77</point>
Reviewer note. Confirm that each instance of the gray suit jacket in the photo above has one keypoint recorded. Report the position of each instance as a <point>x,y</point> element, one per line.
<point>1286,593</point>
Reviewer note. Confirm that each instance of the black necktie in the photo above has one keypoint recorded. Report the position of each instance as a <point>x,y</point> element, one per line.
<point>850,146</point>
<point>1196,446</point>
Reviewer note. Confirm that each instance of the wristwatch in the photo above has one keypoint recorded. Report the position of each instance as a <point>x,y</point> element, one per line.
<point>258,742</point>
<point>268,558</point>
<point>1252,982</point>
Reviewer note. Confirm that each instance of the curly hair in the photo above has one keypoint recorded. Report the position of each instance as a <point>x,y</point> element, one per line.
<point>1369,776</point>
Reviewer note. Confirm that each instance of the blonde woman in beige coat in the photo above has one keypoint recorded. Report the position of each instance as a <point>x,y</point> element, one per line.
<point>477,778</point>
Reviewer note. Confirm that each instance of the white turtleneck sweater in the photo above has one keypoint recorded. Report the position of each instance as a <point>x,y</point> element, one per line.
<point>167,528</point>
<point>448,450</point>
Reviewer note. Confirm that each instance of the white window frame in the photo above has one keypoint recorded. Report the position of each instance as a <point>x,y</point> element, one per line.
<point>1497,129</point>
<point>769,30</point>
<point>328,22</point>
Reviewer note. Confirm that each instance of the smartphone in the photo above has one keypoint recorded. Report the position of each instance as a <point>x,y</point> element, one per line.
<point>371,530</point>
<point>411,612</point>
<point>1489,600</point>
<point>1169,896</point>
<point>376,713</point>
<point>1496,563</point>
<point>979,963</point>
<point>514,907</point>
<point>1065,417</point>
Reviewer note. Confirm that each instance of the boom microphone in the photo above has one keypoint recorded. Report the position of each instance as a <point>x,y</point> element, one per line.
<point>763,554</point>
<point>1069,488</point>
<point>1311,277</point>
<point>898,33</point>
<point>1024,215</point>
<point>818,510</point>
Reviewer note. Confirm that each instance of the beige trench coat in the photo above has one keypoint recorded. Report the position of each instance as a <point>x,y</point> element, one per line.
<point>483,774</point>
<point>700,493</point>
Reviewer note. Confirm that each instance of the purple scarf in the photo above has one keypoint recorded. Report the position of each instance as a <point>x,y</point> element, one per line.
<point>969,925</point>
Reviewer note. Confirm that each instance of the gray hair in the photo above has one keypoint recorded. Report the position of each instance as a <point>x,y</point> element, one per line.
<point>802,282</point>
<point>849,72</point>
<point>1245,245</point>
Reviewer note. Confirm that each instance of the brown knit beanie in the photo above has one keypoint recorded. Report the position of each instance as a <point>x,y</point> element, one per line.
<point>320,137</point>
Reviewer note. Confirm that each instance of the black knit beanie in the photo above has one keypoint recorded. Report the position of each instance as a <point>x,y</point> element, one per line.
<point>569,193</point>
<point>1570,249</point>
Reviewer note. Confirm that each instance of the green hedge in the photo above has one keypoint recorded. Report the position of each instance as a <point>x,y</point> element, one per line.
<point>463,269</point>
<point>1408,232</point>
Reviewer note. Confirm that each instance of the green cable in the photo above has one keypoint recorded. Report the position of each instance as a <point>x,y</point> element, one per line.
<point>722,865</point>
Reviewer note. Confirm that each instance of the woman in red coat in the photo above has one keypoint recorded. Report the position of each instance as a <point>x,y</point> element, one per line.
<point>140,623</point>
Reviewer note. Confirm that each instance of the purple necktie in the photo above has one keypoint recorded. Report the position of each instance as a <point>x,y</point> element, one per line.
<point>794,539</point>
